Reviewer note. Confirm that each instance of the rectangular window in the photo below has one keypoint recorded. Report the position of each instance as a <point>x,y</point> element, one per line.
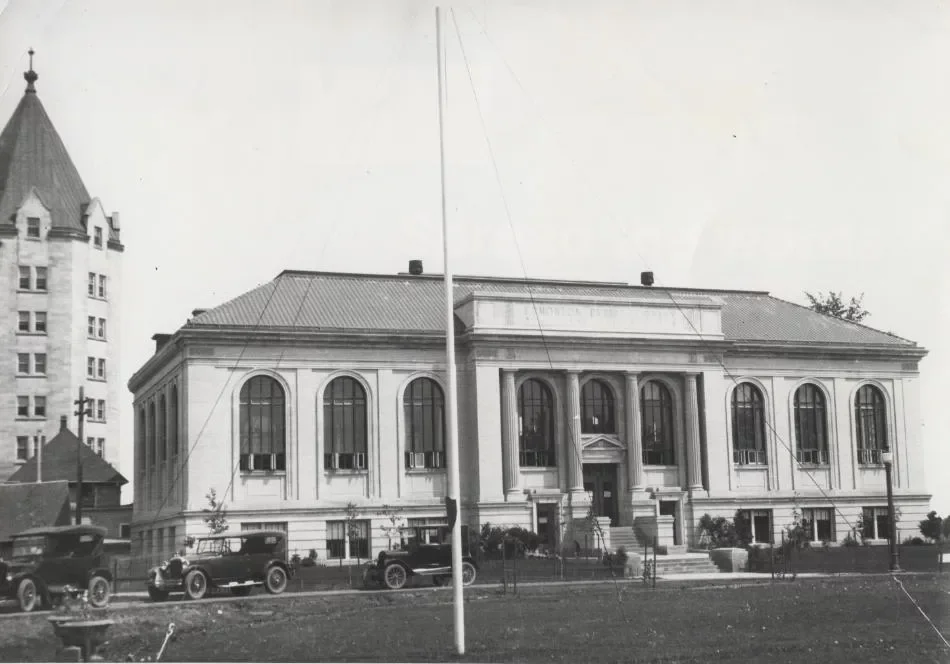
<point>336,539</point>
<point>23,321</point>
<point>97,237</point>
<point>39,406</point>
<point>24,277</point>
<point>874,523</point>
<point>125,531</point>
<point>39,364</point>
<point>23,363</point>
<point>100,446</point>
<point>101,333</point>
<point>102,286</point>
<point>23,406</point>
<point>101,410</point>
<point>819,524</point>
<point>39,322</point>
<point>90,441</point>
<point>33,227</point>
<point>101,370</point>
<point>90,367</point>
<point>759,523</point>
<point>347,540</point>
<point>41,278</point>
<point>91,326</point>
<point>264,525</point>
<point>22,448</point>
<point>92,283</point>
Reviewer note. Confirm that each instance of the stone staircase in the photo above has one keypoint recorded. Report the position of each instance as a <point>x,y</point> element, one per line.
<point>672,563</point>
<point>624,536</point>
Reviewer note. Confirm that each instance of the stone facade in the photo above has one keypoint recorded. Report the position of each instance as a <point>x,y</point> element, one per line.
<point>639,405</point>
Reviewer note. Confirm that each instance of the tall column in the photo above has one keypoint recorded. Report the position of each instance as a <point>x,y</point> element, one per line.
<point>509,418</point>
<point>694,462</point>
<point>575,467</point>
<point>634,434</point>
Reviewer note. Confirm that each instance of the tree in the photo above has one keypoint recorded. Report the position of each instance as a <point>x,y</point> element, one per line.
<point>833,305</point>
<point>352,528</point>
<point>215,514</point>
<point>946,527</point>
<point>393,529</point>
<point>931,526</point>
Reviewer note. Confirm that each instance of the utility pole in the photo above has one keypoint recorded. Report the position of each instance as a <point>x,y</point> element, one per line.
<point>82,413</point>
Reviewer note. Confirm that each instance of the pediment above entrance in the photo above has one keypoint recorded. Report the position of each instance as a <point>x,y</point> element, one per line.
<point>602,443</point>
<point>650,315</point>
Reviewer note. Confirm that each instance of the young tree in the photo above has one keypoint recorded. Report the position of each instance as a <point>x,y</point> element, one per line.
<point>932,526</point>
<point>394,522</point>
<point>833,305</point>
<point>352,527</point>
<point>215,514</point>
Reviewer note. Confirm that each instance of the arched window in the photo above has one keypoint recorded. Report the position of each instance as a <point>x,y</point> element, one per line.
<point>344,425</point>
<point>871,424</point>
<point>597,408</point>
<point>656,407</point>
<point>424,408</point>
<point>173,422</point>
<point>536,425</point>
<point>748,426</point>
<point>150,435</point>
<point>811,428</point>
<point>162,429</point>
<point>262,429</point>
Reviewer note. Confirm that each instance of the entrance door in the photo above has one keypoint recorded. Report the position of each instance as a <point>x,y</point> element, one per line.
<point>548,525</point>
<point>600,481</point>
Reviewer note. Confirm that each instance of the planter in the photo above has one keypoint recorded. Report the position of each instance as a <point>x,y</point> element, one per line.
<point>730,559</point>
<point>87,635</point>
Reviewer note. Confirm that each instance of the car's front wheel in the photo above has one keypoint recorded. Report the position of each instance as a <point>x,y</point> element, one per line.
<point>157,595</point>
<point>26,595</point>
<point>196,584</point>
<point>100,591</point>
<point>468,573</point>
<point>395,576</point>
<point>276,581</point>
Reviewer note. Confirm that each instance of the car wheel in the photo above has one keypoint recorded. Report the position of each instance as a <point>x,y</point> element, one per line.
<point>196,584</point>
<point>241,591</point>
<point>26,595</point>
<point>157,595</point>
<point>100,591</point>
<point>395,576</point>
<point>276,581</point>
<point>468,573</point>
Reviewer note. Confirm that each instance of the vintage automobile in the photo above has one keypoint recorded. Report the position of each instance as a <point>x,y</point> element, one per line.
<point>234,561</point>
<point>426,551</point>
<point>47,563</point>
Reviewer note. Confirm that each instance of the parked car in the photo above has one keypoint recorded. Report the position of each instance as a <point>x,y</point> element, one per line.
<point>49,562</point>
<point>237,562</point>
<point>426,551</point>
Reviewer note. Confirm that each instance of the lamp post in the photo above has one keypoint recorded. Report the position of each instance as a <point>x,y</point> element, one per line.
<point>888,458</point>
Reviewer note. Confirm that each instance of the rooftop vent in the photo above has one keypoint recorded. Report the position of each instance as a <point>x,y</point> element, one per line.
<point>646,278</point>
<point>415,267</point>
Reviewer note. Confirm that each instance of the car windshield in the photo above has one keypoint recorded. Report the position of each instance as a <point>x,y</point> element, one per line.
<point>29,546</point>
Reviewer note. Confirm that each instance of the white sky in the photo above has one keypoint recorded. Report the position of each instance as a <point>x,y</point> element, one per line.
<point>781,146</point>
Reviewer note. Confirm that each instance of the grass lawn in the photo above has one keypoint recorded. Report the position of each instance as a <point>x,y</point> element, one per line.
<point>851,619</point>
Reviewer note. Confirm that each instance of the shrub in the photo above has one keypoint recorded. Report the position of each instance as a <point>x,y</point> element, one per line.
<point>914,541</point>
<point>718,532</point>
<point>295,559</point>
<point>932,526</point>
<point>851,539</point>
<point>312,555</point>
<point>529,540</point>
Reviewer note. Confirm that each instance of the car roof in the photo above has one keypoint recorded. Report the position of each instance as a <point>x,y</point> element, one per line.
<point>63,530</point>
<point>243,533</point>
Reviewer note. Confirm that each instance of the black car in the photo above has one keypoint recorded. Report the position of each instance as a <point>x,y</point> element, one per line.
<point>426,552</point>
<point>47,562</point>
<point>237,562</point>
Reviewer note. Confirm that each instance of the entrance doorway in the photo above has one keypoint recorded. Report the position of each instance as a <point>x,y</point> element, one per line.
<point>671,508</point>
<point>548,525</point>
<point>600,482</point>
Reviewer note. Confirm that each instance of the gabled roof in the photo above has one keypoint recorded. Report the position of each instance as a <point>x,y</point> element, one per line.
<point>33,157</point>
<point>414,304</point>
<point>34,505</point>
<point>59,463</point>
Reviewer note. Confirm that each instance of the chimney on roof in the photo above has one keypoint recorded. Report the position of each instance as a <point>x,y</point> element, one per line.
<point>646,278</point>
<point>160,340</point>
<point>115,221</point>
<point>62,423</point>
<point>415,267</point>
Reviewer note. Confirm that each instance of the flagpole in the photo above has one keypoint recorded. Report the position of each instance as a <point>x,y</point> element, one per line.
<point>452,419</point>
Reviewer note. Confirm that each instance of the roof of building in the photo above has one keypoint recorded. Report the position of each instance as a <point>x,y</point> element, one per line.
<point>38,504</point>
<point>59,463</point>
<point>83,529</point>
<point>414,303</point>
<point>33,157</point>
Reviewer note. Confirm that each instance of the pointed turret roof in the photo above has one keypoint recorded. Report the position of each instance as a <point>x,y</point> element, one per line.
<point>33,157</point>
<point>59,462</point>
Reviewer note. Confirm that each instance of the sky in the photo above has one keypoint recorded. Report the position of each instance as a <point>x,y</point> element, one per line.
<point>786,146</point>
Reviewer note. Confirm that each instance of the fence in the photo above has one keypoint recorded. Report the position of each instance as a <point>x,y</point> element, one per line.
<point>785,560</point>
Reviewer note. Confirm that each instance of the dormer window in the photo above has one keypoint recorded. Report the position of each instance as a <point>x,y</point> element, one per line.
<point>33,227</point>
<point>97,237</point>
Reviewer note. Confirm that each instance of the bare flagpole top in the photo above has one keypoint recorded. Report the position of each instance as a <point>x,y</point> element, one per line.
<point>31,75</point>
